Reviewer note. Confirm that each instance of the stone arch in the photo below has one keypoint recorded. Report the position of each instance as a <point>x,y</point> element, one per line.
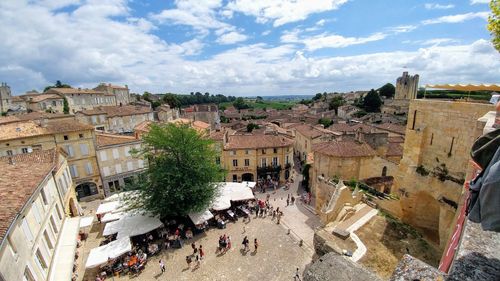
<point>426,215</point>
<point>247,177</point>
<point>86,189</point>
<point>73,210</point>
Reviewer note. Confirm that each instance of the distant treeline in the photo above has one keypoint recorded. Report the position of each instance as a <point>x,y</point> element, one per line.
<point>176,100</point>
<point>451,94</point>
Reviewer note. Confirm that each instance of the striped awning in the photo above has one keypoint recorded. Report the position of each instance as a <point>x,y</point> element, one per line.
<point>465,87</point>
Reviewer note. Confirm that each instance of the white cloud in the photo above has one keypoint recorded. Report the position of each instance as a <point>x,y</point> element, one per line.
<point>457,18</point>
<point>401,28</point>
<point>41,46</point>
<point>281,12</point>
<point>473,2</point>
<point>321,22</point>
<point>265,33</point>
<point>433,42</point>
<point>436,6</point>
<point>231,38</point>
<point>329,41</point>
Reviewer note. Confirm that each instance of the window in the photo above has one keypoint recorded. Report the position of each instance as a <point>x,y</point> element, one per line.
<point>73,171</point>
<point>26,230</point>
<point>232,152</point>
<point>247,151</point>
<point>275,161</point>
<point>100,128</point>
<point>287,159</point>
<point>36,212</point>
<point>275,150</point>
<point>28,274</point>
<point>47,240</point>
<point>70,151</point>
<point>44,196</point>
<point>235,162</point>
<point>94,119</point>
<point>217,160</point>
<point>118,168</point>
<point>9,153</point>
<point>235,178</point>
<point>84,149</point>
<point>24,150</point>
<point>54,103</point>
<point>103,155</point>
<point>105,171</point>
<point>58,211</point>
<point>263,162</point>
<point>88,168</point>
<point>116,153</point>
<point>130,165</point>
<point>53,224</point>
<point>247,162</point>
<point>12,247</point>
<point>80,136</point>
<point>263,151</point>
<point>65,137</point>
<point>40,261</point>
<point>61,187</point>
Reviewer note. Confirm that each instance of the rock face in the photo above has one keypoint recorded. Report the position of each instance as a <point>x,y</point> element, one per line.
<point>332,267</point>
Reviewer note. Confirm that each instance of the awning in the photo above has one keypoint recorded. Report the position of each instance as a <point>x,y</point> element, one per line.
<point>231,191</point>
<point>86,221</point>
<point>107,207</point>
<point>101,255</point>
<point>121,196</point>
<point>250,184</point>
<point>129,226</point>
<point>64,254</point>
<point>465,87</point>
<point>201,217</point>
<point>111,217</point>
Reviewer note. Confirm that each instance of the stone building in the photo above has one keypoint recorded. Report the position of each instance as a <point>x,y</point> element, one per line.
<point>121,93</point>
<point>249,157</point>
<point>44,102</point>
<point>75,138</point>
<point>83,99</point>
<point>406,90</point>
<point>5,97</point>
<point>166,114</point>
<point>307,135</point>
<point>208,113</point>
<point>117,165</point>
<point>37,235</point>
<point>115,119</point>
<point>439,135</point>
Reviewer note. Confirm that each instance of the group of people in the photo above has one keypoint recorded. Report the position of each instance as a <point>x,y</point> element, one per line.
<point>262,185</point>
<point>197,256</point>
<point>224,244</point>
<point>246,244</point>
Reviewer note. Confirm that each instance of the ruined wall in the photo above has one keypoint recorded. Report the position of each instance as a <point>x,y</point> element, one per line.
<point>407,86</point>
<point>439,135</point>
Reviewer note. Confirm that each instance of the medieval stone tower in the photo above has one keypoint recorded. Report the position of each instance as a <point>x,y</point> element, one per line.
<point>5,97</point>
<point>406,87</point>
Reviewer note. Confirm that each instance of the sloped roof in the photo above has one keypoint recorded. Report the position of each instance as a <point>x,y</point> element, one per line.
<point>104,139</point>
<point>29,128</point>
<point>21,175</point>
<point>257,141</point>
<point>114,111</point>
<point>33,116</point>
<point>311,131</point>
<point>395,128</point>
<point>42,97</point>
<point>66,91</point>
<point>394,149</point>
<point>344,149</point>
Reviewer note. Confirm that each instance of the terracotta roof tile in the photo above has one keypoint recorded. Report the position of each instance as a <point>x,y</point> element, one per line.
<point>394,149</point>
<point>144,126</point>
<point>30,128</point>
<point>257,141</point>
<point>398,139</point>
<point>42,97</point>
<point>104,139</point>
<point>399,129</point>
<point>200,125</point>
<point>66,91</point>
<point>113,111</point>
<point>33,116</point>
<point>21,174</point>
<point>344,149</point>
<point>217,135</point>
<point>311,131</point>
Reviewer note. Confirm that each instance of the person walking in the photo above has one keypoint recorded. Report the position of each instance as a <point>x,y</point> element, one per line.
<point>188,261</point>
<point>288,200</point>
<point>162,266</point>
<point>202,253</point>
<point>255,244</point>
<point>297,275</point>
<point>197,262</point>
<point>279,217</point>
<point>293,199</point>
<point>228,242</point>
<point>245,243</point>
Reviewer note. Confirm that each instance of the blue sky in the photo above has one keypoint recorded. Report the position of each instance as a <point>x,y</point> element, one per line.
<point>244,47</point>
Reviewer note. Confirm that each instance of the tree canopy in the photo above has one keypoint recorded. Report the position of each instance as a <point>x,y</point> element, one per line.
<point>372,102</point>
<point>336,102</point>
<point>494,23</point>
<point>388,90</point>
<point>326,122</point>
<point>182,173</point>
<point>58,84</point>
<point>240,103</point>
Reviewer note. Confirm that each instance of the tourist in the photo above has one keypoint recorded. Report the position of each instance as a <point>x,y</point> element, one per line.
<point>162,266</point>
<point>202,253</point>
<point>228,242</point>
<point>279,214</point>
<point>274,215</point>
<point>197,265</point>
<point>245,243</point>
<point>293,199</point>
<point>189,233</point>
<point>97,278</point>
<point>288,200</point>
<point>188,261</point>
<point>255,244</point>
<point>297,275</point>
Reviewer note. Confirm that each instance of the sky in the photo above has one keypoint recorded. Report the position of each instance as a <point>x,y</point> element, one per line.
<point>244,47</point>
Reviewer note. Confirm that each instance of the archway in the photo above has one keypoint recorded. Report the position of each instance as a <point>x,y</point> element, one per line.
<point>86,189</point>
<point>384,171</point>
<point>73,210</point>
<point>247,177</point>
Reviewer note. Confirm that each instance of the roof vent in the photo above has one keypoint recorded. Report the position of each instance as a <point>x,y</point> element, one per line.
<point>18,129</point>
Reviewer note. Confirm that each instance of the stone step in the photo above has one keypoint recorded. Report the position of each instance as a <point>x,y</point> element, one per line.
<point>358,215</point>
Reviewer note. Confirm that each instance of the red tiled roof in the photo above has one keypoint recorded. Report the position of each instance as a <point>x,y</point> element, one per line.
<point>20,177</point>
<point>394,149</point>
<point>398,139</point>
<point>25,129</point>
<point>311,131</point>
<point>344,149</point>
<point>257,141</point>
<point>104,139</point>
<point>395,128</point>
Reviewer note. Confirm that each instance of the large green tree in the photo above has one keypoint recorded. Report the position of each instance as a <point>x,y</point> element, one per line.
<point>182,173</point>
<point>494,23</point>
<point>372,101</point>
<point>240,103</point>
<point>58,84</point>
<point>388,90</point>
<point>336,102</point>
